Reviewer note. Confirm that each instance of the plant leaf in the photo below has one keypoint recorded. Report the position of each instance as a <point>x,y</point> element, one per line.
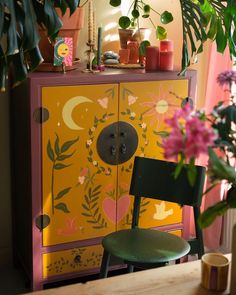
<point>210,214</point>
<point>161,33</point>
<point>115,3</point>
<point>62,193</point>
<point>62,207</point>
<point>60,166</point>
<point>68,144</point>
<point>166,17</point>
<point>124,22</point>
<point>50,151</point>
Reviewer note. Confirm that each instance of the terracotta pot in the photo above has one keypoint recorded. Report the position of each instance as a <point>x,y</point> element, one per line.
<point>71,28</point>
<point>125,35</point>
<point>142,34</point>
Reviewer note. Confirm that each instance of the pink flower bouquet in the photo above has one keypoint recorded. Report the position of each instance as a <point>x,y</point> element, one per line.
<point>195,133</point>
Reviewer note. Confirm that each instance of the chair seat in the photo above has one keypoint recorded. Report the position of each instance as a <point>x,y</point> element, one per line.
<point>145,246</point>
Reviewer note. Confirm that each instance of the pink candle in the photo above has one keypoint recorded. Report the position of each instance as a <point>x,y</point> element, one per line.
<point>124,55</point>
<point>166,60</point>
<point>134,52</point>
<point>152,58</point>
<point>166,45</point>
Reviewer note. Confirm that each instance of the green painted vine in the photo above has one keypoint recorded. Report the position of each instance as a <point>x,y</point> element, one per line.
<point>142,125</point>
<point>91,208</point>
<point>58,155</point>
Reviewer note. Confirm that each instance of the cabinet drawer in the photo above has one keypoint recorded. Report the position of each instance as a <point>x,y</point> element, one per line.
<point>73,260</point>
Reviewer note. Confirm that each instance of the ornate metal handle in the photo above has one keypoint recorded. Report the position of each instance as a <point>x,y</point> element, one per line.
<point>123,148</point>
<point>113,150</point>
<point>117,143</point>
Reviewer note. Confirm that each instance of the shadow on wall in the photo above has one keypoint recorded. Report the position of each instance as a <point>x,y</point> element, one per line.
<point>5,187</point>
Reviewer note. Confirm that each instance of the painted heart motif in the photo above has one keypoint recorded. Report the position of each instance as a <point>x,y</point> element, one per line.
<point>109,208</point>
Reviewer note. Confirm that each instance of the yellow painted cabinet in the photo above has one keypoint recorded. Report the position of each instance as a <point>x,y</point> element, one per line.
<point>83,196</point>
<point>75,138</point>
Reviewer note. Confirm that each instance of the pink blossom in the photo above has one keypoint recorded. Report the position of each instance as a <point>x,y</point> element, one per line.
<point>189,136</point>
<point>227,78</point>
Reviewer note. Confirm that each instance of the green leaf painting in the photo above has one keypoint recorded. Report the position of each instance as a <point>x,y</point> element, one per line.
<point>57,156</point>
<point>91,209</point>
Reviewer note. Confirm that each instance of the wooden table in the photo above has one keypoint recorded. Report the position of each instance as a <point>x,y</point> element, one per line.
<point>183,279</point>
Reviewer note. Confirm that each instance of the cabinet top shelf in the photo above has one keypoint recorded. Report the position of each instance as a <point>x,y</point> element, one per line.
<point>76,77</point>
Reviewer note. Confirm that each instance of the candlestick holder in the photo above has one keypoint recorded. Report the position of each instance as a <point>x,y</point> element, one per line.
<point>90,55</point>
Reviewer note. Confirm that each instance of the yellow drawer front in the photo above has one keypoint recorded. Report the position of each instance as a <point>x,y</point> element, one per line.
<point>73,260</point>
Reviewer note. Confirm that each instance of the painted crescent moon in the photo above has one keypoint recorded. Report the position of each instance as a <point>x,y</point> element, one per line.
<point>68,109</point>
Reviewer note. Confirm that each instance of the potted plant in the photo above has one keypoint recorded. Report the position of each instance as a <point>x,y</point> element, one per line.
<point>72,23</point>
<point>19,22</point>
<point>201,19</point>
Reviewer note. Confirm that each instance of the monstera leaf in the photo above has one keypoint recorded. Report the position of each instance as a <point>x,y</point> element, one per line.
<point>201,19</point>
<point>19,21</point>
<point>207,19</point>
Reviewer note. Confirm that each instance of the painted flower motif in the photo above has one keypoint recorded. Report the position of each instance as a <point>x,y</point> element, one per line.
<point>95,163</point>
<point>84,171</point>
<point>132,99</point>
<point>132,114</point>
<point>124,186</point>
<point>93,129</point>
<point>158,107</point>
<point>81,179</point>
<point>109,188</point>
<point>143,125</point>
<point>82,175</point>
<point>89,142</point>
<point>226,78</point>
<point>103,102</point>
<point>146,142</point>
<point>108,171</point>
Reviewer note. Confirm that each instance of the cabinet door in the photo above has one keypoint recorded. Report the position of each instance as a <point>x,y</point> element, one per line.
<point>146,105</point>
<point>76,181</point>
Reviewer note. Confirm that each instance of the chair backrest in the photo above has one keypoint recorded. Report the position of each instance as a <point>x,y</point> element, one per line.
<point>155,179</point>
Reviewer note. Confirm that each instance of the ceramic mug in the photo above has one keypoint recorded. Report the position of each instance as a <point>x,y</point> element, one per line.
<point>214,271</point>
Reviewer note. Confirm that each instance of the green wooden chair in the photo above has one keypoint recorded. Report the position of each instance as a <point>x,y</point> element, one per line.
<point>147,248</point>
